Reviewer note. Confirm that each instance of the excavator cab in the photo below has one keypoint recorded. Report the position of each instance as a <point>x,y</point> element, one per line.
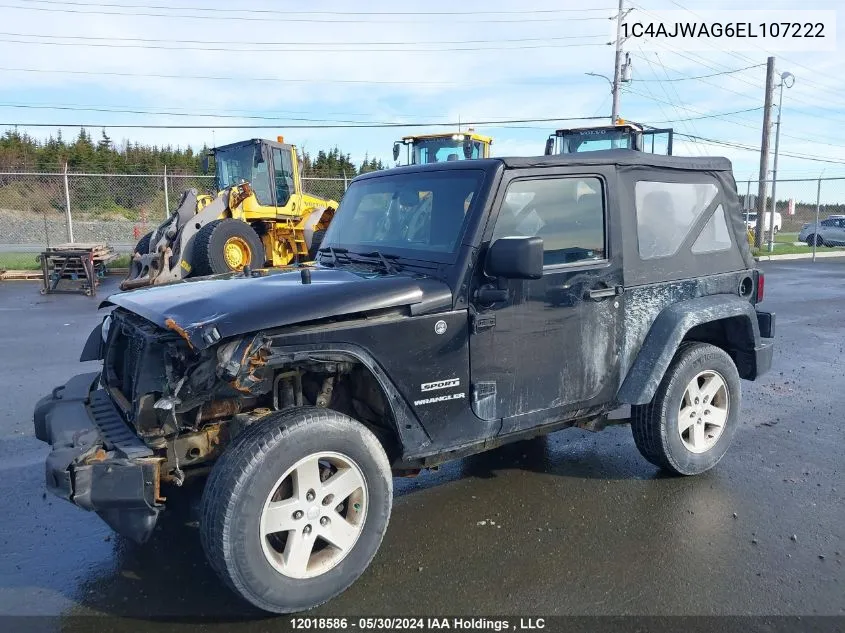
<point>439,148</point>
<point>622,135</point>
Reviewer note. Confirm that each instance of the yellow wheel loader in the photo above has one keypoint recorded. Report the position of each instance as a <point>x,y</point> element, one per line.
<point>259,217</point>
<point>438,148</point>
<point>621,135</point>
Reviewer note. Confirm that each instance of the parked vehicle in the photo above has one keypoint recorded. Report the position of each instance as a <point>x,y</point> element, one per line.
<point>429,329</point>
<point>621,135</point>
<point>751,221</point>
<point>421,149</point>
<point>829,232</point>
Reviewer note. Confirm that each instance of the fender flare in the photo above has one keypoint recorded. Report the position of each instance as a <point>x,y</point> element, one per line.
<point>665,336</point>
<point>412,437</point>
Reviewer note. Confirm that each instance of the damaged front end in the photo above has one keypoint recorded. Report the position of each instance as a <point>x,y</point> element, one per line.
<point>97,462</point>
<point>163,410</point>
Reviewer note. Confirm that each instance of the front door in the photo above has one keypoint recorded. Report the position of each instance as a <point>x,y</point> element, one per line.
<point>552,347</point>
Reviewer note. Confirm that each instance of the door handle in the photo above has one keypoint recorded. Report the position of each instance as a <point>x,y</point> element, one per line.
<point>603,293</point>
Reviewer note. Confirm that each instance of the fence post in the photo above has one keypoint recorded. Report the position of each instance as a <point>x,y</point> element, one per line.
<point>166,197</point>
<point>747,203</point>
<point>68,220</point>
<point>816,225</point>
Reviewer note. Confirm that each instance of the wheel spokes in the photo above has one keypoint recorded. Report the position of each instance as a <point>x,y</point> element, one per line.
<point>298,550</point>
<point>712,385</point>
<point>339,532</point>
<point>717,417</point>
<point>307,478</point>
<point>686,418</point>
<point>696,435</point>
<point>306,533</point>
<point>703,411</point>
<point>278,516</point>
<point>342,484</point>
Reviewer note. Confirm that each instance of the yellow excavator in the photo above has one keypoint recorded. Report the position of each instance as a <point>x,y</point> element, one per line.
<point>438,148</point>
<point>259,217</point>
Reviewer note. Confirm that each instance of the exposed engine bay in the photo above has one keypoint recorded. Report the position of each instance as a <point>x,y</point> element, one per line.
<point>188,404</point>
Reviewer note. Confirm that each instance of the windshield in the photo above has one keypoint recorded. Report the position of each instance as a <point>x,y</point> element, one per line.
<point>418,215</point>
<point>592,140</point>
<point>440,150</point>
<point>244,162</point>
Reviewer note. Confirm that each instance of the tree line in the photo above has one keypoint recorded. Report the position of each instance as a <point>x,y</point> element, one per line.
<point>23,152</point>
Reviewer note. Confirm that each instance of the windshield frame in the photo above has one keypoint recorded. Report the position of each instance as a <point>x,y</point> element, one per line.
<point>409,255</point>
<point>240,153</point>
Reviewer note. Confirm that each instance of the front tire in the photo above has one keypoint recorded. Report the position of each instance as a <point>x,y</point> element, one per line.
<point>223,246</point>
<point>690,423</point>
<point>296,508</point>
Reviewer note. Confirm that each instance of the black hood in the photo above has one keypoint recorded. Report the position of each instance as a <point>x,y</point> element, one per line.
<point>237,305</point>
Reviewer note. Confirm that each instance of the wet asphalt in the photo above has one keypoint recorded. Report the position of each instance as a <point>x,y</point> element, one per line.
<point>573,524</point>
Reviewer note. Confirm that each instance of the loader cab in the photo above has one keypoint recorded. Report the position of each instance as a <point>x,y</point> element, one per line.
<point>268,166</point>
<point>622,135</point>
<point>441,148</point>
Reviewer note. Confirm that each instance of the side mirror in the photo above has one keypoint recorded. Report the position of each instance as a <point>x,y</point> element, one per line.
<point>550,145</point>
<point>515,258</point>
<point>204,164</point>
<point>467,147</point>
<point>397,146</point>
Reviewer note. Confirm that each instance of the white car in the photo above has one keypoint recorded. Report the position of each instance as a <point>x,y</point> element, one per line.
<point>751,221</point>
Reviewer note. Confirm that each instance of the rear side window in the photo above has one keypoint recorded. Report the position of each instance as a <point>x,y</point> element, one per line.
<point>715,235</point>
<point>567,212</point>
<point>665,213</point>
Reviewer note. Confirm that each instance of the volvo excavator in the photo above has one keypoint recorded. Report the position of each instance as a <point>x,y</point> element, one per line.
<point>438,148</point>
<point>259,217</point>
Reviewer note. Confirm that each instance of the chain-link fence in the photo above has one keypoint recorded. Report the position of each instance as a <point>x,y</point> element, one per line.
<point>798,200</point>
<point>41,209</point>
<point>44,209</point>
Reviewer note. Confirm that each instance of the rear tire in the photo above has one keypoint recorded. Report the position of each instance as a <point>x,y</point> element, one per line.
<point>224,246</point>
<point>686,429</point>
<point>815,238</point>
<point>270,510</point>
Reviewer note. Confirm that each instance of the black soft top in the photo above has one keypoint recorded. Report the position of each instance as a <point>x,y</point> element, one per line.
<point>625,157</point>
<point>618,157</point>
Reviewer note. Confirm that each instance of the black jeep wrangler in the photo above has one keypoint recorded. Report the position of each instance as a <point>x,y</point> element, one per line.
<point>453,307</point>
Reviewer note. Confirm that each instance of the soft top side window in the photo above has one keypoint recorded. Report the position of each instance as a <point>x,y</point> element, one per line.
<point>666,211</point>
<point>567,212</point>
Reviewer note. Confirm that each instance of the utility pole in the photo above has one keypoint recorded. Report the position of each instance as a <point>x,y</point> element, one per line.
<point>764,153</point>
<point>617,66</point>
<point>784,78</point>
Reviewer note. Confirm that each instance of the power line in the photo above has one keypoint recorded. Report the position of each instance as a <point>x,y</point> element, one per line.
<point>241,79</point>
<point>756,150</point>
<point>229,49</point>
<point>298,126</point>
<point>298,44</point>
<point>708,116</point>
<point>117,110</point>
<point>754,127</point>
<point>724,72</point>
<point>283,12</point>
<point>321,20</point>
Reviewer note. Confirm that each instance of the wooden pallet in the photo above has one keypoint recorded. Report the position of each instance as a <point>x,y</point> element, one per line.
<point>102,253</point>
<point>20,275</point>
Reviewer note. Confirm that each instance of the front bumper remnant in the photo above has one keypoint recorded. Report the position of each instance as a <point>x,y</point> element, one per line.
<point>97,461</point>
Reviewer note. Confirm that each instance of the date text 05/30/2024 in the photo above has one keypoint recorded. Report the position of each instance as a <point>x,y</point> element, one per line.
<point>417,624</point>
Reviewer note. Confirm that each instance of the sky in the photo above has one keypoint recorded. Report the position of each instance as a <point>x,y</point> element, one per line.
<point>113,62</point>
